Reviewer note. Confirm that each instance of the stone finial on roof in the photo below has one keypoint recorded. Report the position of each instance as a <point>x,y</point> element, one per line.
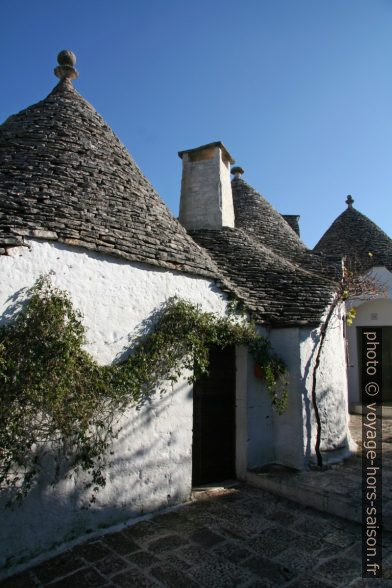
<point>66,61</point>
<point>237,172</point>
<point>349,201</point>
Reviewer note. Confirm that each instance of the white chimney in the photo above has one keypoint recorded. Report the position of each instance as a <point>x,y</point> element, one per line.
<point>206,196</point>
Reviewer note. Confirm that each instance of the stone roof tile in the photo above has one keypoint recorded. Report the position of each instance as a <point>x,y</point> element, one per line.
<point>277,290</point>
<point>267,265</point>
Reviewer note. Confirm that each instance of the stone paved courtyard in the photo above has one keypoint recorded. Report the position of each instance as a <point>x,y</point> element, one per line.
<point>241,536</point>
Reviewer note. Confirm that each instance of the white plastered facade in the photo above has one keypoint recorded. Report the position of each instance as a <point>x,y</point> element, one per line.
<point>152,464</point>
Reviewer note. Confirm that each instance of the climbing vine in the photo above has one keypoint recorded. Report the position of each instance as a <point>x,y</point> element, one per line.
<point>58,406</point>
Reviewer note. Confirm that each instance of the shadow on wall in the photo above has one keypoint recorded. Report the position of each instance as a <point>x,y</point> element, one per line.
<point>150,469</point>
<point>336,440</point>
<point>15,304</point>
<point>140,333</point>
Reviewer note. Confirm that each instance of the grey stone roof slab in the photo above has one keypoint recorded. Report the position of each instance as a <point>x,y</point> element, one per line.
<point>268,266</point>
<point>64,175</point>
<point>278,291</point>
<point>260,220</point>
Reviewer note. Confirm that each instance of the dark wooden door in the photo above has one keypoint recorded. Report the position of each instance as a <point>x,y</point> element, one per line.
<point>213,457</point>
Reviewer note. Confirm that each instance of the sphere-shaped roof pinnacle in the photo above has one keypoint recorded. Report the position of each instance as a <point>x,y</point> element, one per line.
<point>349,201</point>
<point>66,70</point>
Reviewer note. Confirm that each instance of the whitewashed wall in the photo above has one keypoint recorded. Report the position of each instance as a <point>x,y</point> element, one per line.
<point>254,417</point>
<point>152,465</point>
<point>114,296</point>
<point>289,439</point>
<point>336,440</point>
<point>295,430</point>
<point>153,462</point>
<point>373,313</point>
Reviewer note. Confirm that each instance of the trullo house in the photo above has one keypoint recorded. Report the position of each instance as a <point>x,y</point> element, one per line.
<point>369,253</point>
<point>75,206</point>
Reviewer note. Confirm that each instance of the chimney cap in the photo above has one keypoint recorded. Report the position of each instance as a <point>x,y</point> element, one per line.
<point>207,146</point>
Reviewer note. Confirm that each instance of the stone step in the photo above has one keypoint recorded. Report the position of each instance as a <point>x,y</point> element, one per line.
<point>330,491</point>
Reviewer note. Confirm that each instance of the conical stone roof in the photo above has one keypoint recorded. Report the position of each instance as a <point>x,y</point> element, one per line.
<point>354,235</point>
<point>64,175</point>
<point>258,218</point>
<point>267,265</point>
<point>277,291</point>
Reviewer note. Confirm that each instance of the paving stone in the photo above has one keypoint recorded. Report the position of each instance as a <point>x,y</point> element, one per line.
<point>85,578</point>
<point>312,527</point>
<point>24,580</point>
<point>133,578</point>
<point>387,539</point>
<point>310,581</point>
<point>339,569</point>
<point>121,543</point>
<point>272,541</point>
<point>370,583</point>
<point>144,531</point>
<point>167,543</point>
<point>259,584</point>
<point>91,551</point>
<point>298,560</point>
<point>219,573</point>
<point>194,554</point>
<point>205,537</point>
<point>239,547</point>
<point>234,551</point>
<point>265,568</point>
<point>143,559</point>
<point>173,560</point>
<point>227,533</point>
<point>174,578</point>
<point>200,518</point>
<point>355,551</point>
<point>244,525</point>
<point>341,538</point>
<point>112,564</point>
<point>177,522</point>
<point>58,566</point>
<point>280,516</point>
<point>327,551</point>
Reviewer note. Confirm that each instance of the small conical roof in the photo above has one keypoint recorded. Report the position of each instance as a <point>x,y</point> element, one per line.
<point>266,264</point>
<point>64,175</point>
<point>354,235</point>
<point>258,218</point>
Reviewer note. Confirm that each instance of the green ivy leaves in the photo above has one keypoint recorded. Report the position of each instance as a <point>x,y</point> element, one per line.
<point>57,401</point>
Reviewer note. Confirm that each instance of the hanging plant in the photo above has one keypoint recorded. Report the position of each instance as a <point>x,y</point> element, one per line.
<point>272,370</point>
<point>56,399</point>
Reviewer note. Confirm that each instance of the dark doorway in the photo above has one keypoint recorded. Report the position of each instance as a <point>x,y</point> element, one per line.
<point>213,458</point>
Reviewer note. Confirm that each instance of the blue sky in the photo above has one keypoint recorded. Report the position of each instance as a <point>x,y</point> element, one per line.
<point>300,91</point>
